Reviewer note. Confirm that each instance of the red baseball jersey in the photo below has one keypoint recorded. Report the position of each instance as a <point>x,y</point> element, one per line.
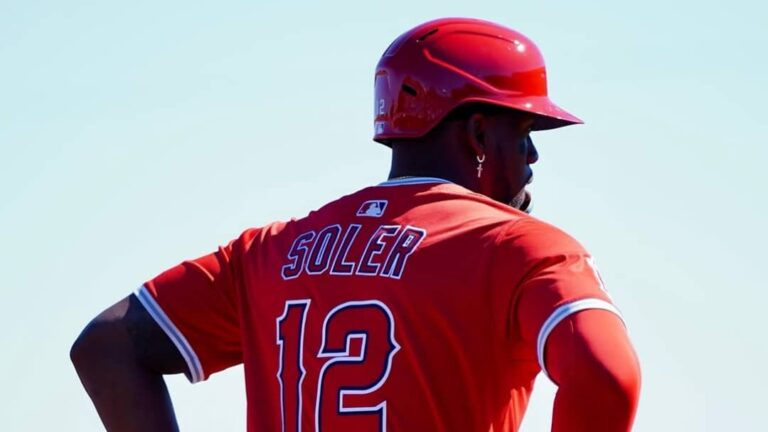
<point>414,305</point>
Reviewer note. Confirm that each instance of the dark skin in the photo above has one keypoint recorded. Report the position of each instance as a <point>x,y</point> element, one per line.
<point>451,152</point>
<point>122,355</point>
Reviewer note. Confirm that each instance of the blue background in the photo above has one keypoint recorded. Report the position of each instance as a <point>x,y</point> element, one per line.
<point>134,135</point>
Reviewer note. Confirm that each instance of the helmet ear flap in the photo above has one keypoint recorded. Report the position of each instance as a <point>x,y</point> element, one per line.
<point>381,106</point>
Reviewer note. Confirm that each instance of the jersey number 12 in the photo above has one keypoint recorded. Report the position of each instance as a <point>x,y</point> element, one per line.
<point>358,345</point>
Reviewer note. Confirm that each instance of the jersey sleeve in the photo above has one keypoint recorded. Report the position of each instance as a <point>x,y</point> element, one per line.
<point>197,304</point>
<point>554,277</point>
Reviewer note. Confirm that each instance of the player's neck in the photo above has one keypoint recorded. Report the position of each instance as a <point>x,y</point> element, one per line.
<point>400,172</point>
<point>431,159</point>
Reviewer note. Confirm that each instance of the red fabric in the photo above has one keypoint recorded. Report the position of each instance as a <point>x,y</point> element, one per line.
<point>438,320</point>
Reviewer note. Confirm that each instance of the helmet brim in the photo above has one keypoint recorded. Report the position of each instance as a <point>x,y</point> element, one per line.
<point>547,114</point>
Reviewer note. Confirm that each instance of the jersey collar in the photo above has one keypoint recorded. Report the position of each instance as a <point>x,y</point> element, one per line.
<point>401,181</point>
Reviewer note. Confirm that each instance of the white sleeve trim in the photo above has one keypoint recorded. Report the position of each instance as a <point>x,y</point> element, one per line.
<point>185,349</point>
<point>562,313</point>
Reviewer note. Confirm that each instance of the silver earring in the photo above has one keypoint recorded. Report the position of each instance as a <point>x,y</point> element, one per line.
<point>480,160</point>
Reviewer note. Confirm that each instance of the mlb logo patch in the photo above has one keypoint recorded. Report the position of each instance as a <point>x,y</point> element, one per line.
<point>373,208</point>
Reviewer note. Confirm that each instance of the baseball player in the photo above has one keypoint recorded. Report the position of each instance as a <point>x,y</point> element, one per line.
<point>428,302</point>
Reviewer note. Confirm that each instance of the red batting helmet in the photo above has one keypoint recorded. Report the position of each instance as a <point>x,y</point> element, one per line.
<point>437,66</point>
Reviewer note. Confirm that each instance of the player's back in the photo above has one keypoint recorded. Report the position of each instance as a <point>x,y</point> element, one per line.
<point>387,309</point>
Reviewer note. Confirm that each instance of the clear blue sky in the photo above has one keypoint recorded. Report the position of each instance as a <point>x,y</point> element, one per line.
<point>137,134</point>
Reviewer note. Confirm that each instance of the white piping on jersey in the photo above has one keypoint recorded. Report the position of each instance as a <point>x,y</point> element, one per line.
<point>178,339</point>
<point>562,313</point>
<point>412,181</point>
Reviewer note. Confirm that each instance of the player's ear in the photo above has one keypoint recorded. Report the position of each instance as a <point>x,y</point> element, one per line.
<point>476,127</point>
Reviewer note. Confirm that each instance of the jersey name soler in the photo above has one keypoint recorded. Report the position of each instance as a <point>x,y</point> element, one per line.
<point>328,250</point>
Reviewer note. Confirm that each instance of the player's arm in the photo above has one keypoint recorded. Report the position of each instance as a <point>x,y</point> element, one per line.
<point>563,312</point>
<point>582,345</point>
<point>184,320</point>
<point>121,357</point>
<point>590,358</point>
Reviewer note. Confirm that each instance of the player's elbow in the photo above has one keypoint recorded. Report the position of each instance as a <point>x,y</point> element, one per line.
<point>105,337</point>
<point>92,344</point>
<point>78,352</point>
<point>102,341</point>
